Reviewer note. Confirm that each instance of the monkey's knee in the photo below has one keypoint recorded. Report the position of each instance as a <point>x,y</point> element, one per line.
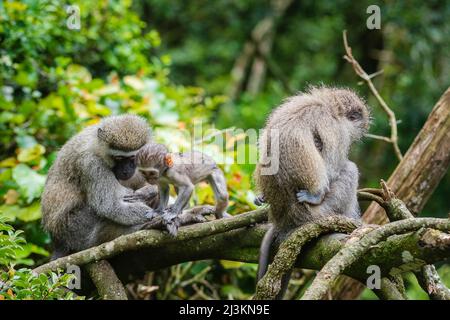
<point>221,206</point>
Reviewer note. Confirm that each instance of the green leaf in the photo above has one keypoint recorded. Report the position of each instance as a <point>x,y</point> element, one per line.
<point>31,183</point>
<point>30,213</point>
<point>231,264</point>
<point>31,154</point>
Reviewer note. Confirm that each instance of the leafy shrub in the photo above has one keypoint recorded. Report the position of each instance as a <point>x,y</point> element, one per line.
<point>22,283</point>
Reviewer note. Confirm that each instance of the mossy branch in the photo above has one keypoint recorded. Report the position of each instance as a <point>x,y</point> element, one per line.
<point>239,238</point>
<point>270,285</point>
<point>355,250</point>
<point>153,239</point>
<point>106,281</point>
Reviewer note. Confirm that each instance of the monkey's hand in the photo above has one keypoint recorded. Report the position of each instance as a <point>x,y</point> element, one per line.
<point>150,214</point>
<point>304,196</point>
<point>142,195</point>
<point>259,200</point>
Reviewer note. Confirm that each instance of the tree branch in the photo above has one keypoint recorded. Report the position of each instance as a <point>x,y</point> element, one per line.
<point>106,281</point>
<point>242,244</point>
<point>368,79</point>
<point>270,285</point>
<point>355,250</point>
<point>153,239</point>
<point>429,280</point>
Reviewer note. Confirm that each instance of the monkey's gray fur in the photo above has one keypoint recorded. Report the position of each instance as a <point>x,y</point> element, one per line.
<point>82,203</point>
<point>315,178</point>
<point>186,170</point>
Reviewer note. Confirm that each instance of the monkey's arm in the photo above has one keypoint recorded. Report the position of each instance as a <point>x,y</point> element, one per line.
<point>342,198</point>
<point>146,194</point>
<point>163,196</point>
<point>185,189</point>
<point>311,198</point>
<point>104,194</point>
<point>307,172</point>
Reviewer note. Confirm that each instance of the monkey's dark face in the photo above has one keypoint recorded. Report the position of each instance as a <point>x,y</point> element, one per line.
<point>124,167</point>
<point>358,116</point>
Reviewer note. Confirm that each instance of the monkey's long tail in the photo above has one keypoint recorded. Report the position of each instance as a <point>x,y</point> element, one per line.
<point>264,252</point>
<point>264,258</point>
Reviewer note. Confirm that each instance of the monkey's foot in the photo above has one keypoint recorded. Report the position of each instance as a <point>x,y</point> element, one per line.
<point>226,215</point>
<point>259,200</point>
<point>304,196</point>
<point>171,221</point>
<point>172,226</point>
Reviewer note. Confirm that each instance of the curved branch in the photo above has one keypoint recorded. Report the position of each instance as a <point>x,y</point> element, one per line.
<point>270,285</point>
<point>355,250</point>
<point>428,277</point>
<point>426,246</point>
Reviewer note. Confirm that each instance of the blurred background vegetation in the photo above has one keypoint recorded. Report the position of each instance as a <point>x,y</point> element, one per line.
<point>177,61</point>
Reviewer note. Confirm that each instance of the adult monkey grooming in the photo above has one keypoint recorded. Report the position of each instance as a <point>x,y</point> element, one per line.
<point>315,178</point>
<point>82,203</point>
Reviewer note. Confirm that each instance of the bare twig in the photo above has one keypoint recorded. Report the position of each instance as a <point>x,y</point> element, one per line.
<point>368,79</point>
<point>377,137</point>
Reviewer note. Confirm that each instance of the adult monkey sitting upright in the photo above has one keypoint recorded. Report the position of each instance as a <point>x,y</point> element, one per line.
<point>82,203</point>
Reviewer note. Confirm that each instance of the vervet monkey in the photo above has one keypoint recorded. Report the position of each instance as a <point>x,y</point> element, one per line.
<point>182,170</point>
<point>82,197</point>
<point>315,179</point>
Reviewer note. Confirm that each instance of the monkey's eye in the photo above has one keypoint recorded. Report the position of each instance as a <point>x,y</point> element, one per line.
<point>354,115</point>
<point>318,142</point>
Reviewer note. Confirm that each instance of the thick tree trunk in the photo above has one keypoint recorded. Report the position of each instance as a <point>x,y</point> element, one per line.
<point>415,178</point>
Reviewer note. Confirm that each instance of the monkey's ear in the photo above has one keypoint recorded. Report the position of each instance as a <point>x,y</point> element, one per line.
<point>168,161</point>
<point>101,134</point>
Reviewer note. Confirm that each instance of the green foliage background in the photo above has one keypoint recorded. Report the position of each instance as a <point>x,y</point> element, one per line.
<point>170,61</point>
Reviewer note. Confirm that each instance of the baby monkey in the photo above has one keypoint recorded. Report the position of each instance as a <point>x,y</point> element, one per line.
<point>183,171</point>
